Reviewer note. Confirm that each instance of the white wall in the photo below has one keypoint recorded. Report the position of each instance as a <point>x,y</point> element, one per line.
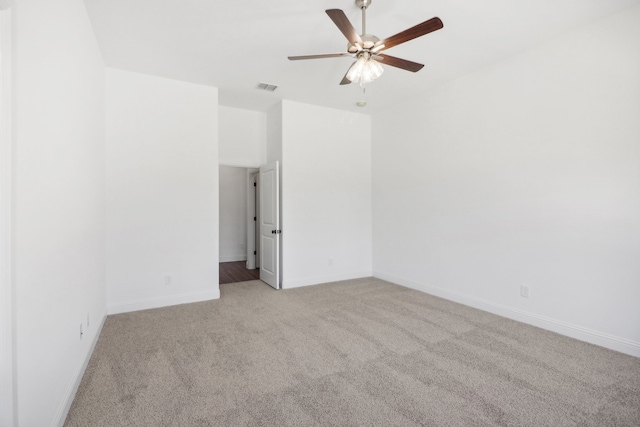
<point>7,332</point>
<point>162,191</point>
<point>326,194</point>
<point>523,173</point>
<point>243,137</point>
<point>233,214</point>
<point>274,133</point>
<point>59,203</point>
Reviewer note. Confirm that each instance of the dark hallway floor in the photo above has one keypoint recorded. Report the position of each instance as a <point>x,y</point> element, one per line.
<point>232,272</point>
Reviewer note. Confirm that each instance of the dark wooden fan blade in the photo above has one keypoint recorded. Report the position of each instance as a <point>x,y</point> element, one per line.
<point>326,55</point>
<point>399,63</point>
<point>342,22</point>
<point>345,80</point>
<point>426,27</point>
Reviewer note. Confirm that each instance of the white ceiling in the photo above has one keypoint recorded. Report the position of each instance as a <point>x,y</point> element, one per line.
<point>234,45</point>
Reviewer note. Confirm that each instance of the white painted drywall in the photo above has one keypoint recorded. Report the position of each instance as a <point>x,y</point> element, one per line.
<point>7,330</point>
<point>59,203</point>
<point>233,213</point>
<point>162,191</point>
<point>326,194</point>
<point>274,134</point>
<point>242,137</point>
<point>523,173</point>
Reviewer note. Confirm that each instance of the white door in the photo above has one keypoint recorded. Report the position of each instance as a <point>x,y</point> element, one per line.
<point>270,224</point>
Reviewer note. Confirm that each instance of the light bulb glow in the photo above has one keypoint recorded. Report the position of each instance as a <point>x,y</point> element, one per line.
<point>365,69</point>
<point>356,69</point>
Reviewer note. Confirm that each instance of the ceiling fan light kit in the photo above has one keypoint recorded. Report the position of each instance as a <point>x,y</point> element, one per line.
<point>365,69</point>
<point>366,48</point>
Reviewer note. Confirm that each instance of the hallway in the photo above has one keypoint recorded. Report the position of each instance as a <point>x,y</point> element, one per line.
<point>232,272</point>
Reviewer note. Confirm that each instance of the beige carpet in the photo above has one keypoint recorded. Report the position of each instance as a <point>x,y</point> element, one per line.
<point>355,353</point>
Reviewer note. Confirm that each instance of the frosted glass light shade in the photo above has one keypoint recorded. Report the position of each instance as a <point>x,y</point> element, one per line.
<point>355,71</point>
<point>364,70</point>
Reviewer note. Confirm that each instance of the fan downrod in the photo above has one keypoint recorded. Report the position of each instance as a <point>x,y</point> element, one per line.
<point>363,5</point>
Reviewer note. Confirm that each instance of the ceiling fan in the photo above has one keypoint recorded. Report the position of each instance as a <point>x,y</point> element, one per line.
<point>367,48</point>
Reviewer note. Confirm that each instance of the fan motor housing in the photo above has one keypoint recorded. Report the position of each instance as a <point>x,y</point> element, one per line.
<point>368,40</point>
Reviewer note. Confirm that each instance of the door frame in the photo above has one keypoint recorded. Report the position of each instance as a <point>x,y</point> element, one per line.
<point>253,218</point>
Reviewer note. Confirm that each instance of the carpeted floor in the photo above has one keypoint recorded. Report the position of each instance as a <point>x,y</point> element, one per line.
<point>361,352</point>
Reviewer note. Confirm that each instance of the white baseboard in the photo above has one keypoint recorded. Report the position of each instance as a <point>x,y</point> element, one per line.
<point>233,258</point>
<point>612,342</point>
<point>308,281</point>
<point>125,307</point>
<point>70,394</point>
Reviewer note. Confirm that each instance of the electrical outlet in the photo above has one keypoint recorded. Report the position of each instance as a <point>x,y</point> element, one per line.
<point>168,279</point>
<point>524,291</point>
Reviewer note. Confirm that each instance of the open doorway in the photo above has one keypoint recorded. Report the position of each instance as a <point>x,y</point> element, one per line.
<point>238,217</point>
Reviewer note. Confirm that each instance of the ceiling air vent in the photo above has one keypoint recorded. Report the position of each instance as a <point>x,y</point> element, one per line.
<point>267,87</point>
